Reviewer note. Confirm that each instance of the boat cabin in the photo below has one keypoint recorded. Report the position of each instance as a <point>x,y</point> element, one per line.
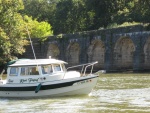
<point>30,71</point>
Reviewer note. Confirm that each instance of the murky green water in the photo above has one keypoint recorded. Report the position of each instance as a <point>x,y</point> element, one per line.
<point>114,93</point>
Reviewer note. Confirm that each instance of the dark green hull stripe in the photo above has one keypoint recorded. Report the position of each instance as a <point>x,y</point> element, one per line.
<point>43,87</point>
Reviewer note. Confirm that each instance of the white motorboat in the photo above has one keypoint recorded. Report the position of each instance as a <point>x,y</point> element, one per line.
<point>46,77</point>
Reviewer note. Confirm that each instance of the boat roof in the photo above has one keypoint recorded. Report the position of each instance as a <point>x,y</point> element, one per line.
<point>29,62</point>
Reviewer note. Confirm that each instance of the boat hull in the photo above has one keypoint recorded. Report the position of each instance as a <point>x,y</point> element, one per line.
<point>75,86</point>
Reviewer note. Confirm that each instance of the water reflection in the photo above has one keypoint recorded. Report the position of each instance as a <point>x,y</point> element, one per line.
<point>113,93</point>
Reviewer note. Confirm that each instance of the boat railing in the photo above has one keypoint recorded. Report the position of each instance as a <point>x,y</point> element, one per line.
<point>84,67</point>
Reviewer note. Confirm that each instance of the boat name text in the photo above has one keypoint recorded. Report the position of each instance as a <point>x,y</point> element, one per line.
<point>82,82</point>
<point>29,80</point>
<point>10,81</point>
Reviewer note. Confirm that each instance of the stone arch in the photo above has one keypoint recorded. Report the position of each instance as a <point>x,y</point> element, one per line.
<point>53,51</point>
<point>123,53</point>
<point>96,52</point>
<point>147,54</point>
<point>73,53</point>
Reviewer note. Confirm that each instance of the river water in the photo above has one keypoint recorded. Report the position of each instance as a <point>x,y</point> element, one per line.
<point>114,93</point>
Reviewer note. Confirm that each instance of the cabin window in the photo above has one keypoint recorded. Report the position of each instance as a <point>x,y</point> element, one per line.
<point>57,67</point>
<point>63,67</point>
<point>29,70</point>
<point>13,71</point>
<point>47,69</point>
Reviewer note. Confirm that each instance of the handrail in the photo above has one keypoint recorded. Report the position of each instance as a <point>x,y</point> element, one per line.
<point>84,65</point>
<point>92,64</point>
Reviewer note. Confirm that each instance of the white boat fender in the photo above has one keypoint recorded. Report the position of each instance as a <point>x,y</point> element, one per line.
<point>38,88</point>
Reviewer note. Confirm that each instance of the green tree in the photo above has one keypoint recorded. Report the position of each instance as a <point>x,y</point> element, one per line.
<point>72,16</point>
<point>142,8</point>
<point>13,32</point>
<point>82,15</point>
<point>66,16</point>
<point>38,29</point>
<point>69,16</point>
<point>12,36</point>
<point>41,10</point>
<point>126,12</point>
<point>104,10</point>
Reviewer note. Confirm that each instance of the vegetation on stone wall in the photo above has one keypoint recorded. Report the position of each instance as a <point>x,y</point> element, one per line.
<point>115,25</point>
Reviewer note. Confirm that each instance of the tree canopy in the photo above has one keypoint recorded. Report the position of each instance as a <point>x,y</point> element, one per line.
<point>69,16</point>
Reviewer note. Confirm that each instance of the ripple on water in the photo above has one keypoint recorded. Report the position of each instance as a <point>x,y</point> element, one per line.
<point>134,97</point>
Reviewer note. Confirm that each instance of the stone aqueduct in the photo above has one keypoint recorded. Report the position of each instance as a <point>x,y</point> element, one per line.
<point>115,49</point>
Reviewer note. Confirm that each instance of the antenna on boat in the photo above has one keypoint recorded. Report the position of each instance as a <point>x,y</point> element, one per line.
<point>31,45</point>
<point>31,42</point>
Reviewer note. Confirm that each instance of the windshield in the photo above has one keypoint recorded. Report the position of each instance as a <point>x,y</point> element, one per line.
<point>57,67</point>
<point>47,69</point>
